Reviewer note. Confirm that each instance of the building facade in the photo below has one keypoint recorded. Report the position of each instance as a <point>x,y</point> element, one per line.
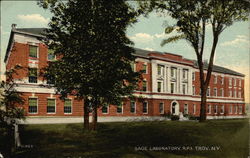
<point>170,86</point>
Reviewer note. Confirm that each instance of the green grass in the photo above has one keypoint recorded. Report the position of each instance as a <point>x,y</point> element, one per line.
<point>118,140</point>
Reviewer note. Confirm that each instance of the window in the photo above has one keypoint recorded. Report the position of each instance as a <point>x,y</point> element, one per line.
<point>194,108</point>
<point>160,69</point>
<point>145,107</point>
<point>105,108</point>
<point>222,92</point>
<point>132,107</point>
<point>222,109</point>
<point>193,90</point>
<point>235,80</point>
<point>222,80</point>
<point>67,106</point>
<point>239,94</point>
<point>235,109</point>
<point>209,109</point>
<point>235,93</point>
<point>144,68</point>
<point>51,55</point>
<point>240,109</point>
<point>230,93</point>
<point>33,51</point>
<point>144,86</point>
<point>230,81</point>
<point>172,87</point>
<point>215,91</point>
<point>132,64</point>
<point>173,72</point>
<point>161,108</point>
<point>159,86</point>
<point>193,76</point>
<point>186,109</point>
<point>119,108</point>
<point>184,89</point>
<point>51,105</point>
<point>215,79</point>
<point>230,109</point>
<point>32,75</point>
<point>239,82</point>
<point>215,109</point>
<point>33,105</point>
<point>184,73</point>
<point>208,91</point>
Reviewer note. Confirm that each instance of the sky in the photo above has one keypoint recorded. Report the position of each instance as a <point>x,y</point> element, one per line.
<point>233,49</point>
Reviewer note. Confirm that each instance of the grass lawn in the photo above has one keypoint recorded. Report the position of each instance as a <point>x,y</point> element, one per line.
<point>216,139</point>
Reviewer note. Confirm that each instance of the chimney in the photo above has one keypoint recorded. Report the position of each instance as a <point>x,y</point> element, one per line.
<point>13,26</point>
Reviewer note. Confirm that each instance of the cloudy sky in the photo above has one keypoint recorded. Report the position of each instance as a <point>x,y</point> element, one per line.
<point>232,51</point>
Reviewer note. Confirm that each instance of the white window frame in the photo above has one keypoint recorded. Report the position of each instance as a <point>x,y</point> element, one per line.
<point>37,47</point>
<point>121,108</point>
<point>215,92</point>
<point>47,106</point>
<point>107,110</point>
<point>209,108</point>
<point>174,89</point>
<point>222,80</point>
<point>143,107</point>
<point>230,109</point>
<point>230,82</point>
<point>222,92</point>
<point>193,76</point>
<point>130,107</point>
<point>161,86</point>
<point>215,79</point>
<point>184,74</point>
<point>236,109</point>
<point>235,93</point>
<point>146,85</point>
<point>240,109</point>
<point>208,92</point>
<point>161,69</point>
<point>161,103</point>
<point>222,109</point>
<point>174,72</point>
<point>71,100</point>
<point>215,109</point>
<point>185,109</point>
<point>145,64</point>
<point>33,97</point>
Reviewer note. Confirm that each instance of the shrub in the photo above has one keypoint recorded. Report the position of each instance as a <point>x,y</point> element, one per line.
<point>174,117</point>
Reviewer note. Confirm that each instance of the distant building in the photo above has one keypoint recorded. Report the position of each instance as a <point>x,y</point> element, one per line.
<point>170,85</point>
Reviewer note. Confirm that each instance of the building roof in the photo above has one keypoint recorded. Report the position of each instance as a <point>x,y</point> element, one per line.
<point>219,69</point>
<point>138,52</point>
<point>35,31</point>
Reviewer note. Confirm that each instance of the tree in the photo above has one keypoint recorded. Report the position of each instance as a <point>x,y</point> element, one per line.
<point>95,53</point>
<point>10,111</point>
<point>192,18</point>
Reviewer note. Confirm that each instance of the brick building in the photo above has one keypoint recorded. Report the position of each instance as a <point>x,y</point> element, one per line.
<point>170,85</point>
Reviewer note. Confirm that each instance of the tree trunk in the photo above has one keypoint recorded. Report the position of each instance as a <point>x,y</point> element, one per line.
<point>203,114</point>
<point>94,117</point>
<point>86,114</point>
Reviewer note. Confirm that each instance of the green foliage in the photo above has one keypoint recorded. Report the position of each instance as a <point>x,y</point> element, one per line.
<point>10,99</point>
<point>90,37</point>
<point>174,117</point>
